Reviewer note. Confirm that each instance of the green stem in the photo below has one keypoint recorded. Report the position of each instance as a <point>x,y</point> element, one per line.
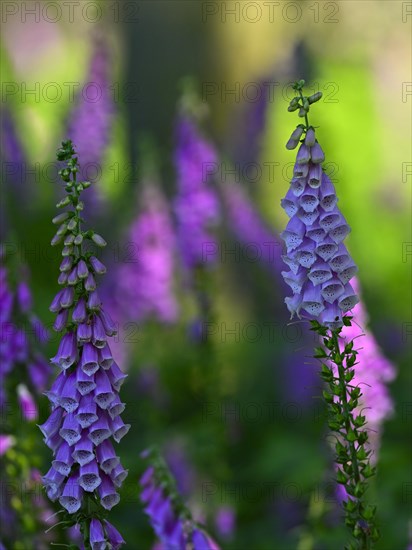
<point>306,114</point>
<point>348,416</point>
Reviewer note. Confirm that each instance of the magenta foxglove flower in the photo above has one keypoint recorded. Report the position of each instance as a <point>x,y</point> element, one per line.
<point>91,119</point>
<point>196,204</point>
<point>372,374</point>
<point>86,407</point>
<point>320,266</point>
<point>144,282</point>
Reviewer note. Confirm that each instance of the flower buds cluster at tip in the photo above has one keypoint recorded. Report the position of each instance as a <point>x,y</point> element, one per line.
<point>86,406</point>
<point>170,520</point>
<point>320,266</point>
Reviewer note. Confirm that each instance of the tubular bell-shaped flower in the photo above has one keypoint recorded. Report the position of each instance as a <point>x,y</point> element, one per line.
<point>314,238</point>
<point>83,419</point>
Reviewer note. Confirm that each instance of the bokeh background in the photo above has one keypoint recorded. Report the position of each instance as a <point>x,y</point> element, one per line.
<point>228,391</point>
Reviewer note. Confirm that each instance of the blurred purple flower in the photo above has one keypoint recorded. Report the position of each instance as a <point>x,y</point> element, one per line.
<point>196,204</point>
<point>6,442</point>
<point>225,521</point>
<point>91,119</point>
<point>248,226</point>
<point>173,526</point>
<point>20,344</point>
<point>11,148</point>
<point>144,282</point>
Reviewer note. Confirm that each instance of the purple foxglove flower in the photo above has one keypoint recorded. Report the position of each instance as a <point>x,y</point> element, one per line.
<point>84,382</point>
<point>144,288</point>
<point>24,298</point>
<point>332,289</point>
<point>86,413</point>
<point>62,280</point>
<point>79,311</point>
<point>61,320</point>
<point>53,423</point>
<point>164,517</point>
<point>295,138</point>
<point>315,176</point>
<point>119,428</point>
<point>289,203</point>
<point>300,171</point>
<point>113,536</point>
<point>107,493</point>
<point>72,279</point>
<point>89,478</point>
<point>320,266</point>
<point>249,227</point>
<point>27,404</point>
<point>312,301</point>
<point>105,357</point>
<point>118,475</point>
<point>98,239</point>
<point>53,481</point>
<point>201,541</point>
<point>69,396</point>
<point>97,537</point>
<point>72,494</point>
<point>225,520</point>
<point>310,138</point>
<point>196,205</point>
<point>108,323</point>
<point>106,457</point>
<point>100,430</point>
<point>94,302</point>
<point>103,394</point>
<point>303,156</point>
<point>67,297</point>
<point>55,305</point>
<point>116,407</point>
<point>86,404</point>
<point>116,377</point>
<point>67,352</point>
<point>294,233</point>
<point>97,265</point>
<point>83,451</point>
<point>89,361</point>
<point>66,264</point>
<point>99,337</point>
<point>327,194</point>
<point>90,283</point>
<point>70,430</point>
<point>64,459</point>
<point>316,154</point>
<point>82,271</point>
<point>91,120</point>
<point>84,333</point>
<point>54,393</point>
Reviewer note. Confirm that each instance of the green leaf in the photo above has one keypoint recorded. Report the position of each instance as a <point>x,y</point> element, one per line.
<point>341,477</point>
<point>351,436</point>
